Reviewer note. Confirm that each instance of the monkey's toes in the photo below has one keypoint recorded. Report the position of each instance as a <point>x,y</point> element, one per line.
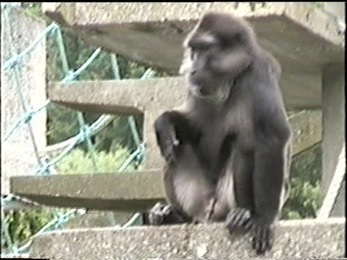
<point>158,213</point>
<point>238,219</point>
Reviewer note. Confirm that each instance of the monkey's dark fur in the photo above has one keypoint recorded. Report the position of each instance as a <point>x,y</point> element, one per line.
<point>227,149</point>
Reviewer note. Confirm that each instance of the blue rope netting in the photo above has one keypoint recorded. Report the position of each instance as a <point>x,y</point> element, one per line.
<point>11,66</point>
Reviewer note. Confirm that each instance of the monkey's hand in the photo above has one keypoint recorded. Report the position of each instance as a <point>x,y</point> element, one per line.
<point>158,213</point>
<point>168,148</point>
<point>237,219</point>
<point>262,236</point>
<point>168,143</point>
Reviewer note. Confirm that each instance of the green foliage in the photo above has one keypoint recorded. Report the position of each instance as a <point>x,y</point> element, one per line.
<point>78,161</point>
<point>318,4</point>
<point>304,198</point>
<point>23,224</point>
<point>34,10</point>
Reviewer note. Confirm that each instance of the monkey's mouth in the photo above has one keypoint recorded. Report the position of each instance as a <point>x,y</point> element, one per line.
<point>215,95</point>
<point>205,91</point>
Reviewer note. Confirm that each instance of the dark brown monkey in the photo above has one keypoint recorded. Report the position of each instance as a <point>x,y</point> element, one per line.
<point>227,149</point>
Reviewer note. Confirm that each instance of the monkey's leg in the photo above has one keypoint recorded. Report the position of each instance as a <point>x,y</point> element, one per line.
<point>238,218</point>
<point>188,190</point>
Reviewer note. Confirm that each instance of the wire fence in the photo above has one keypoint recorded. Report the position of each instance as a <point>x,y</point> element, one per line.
<point>11,66</point>
<point>84,135</point>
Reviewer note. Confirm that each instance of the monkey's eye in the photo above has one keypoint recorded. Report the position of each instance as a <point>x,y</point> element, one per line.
<point>231,41</point>
<point>201,47</point>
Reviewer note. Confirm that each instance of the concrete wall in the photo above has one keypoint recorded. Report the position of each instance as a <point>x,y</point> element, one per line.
<point>333,127</point>
<point>338,9</point>
<point>17,34</point>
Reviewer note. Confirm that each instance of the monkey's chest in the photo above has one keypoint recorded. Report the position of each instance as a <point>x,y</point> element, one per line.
<point>211,145</point>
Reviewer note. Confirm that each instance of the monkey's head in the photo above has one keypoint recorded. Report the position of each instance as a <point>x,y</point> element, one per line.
<point>217,51</point>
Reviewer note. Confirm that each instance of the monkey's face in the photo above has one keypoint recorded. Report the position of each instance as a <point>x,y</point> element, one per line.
<point>205,68</point>
<point>216,52</point>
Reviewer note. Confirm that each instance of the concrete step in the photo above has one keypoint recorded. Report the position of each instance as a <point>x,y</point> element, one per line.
<point>133,95</point>
<point>119,191</point>
<point>100,218</point>
<point>299,239</point>
<point>151,97</point>
<point>152,33</point>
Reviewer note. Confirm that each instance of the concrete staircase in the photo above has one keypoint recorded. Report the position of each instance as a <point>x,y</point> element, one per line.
<point>301,36</point>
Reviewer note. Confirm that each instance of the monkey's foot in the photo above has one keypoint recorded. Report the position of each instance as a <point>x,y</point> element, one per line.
<point>158,213</point>
<point>262,236</point>
<point>238,219</point>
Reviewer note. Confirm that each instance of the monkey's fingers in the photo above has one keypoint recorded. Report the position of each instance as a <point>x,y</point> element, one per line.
<point>262,239</point>
<point>170,157</point>
<point>168,153</point>
<point>169,149</point>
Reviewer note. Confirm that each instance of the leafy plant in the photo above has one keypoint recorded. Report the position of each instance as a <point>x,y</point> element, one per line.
<point>305,191</point>
<point>79,161</point>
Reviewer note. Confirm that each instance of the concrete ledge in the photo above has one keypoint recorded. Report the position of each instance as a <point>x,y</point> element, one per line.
<point>128,191</point>
<point>307,130</point>
<point>151,33</point>
<point>300,239</point>
<point>127,97</point>
<point>130,96</point>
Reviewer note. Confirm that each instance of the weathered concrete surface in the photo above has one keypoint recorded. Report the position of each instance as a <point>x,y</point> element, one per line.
<point>333,127</point>
<point>302,239</point>
<point>134,94</point>
<point>307,129</point>
<point>151,33</point>
<point>130,191</point>
<point>338,9</point>
<point>17,33</point>
<point>96,218</point>
<point>152,97</point>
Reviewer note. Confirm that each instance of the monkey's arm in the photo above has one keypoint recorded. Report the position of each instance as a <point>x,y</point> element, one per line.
<point>171,129</point>
<point>268,179</point>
